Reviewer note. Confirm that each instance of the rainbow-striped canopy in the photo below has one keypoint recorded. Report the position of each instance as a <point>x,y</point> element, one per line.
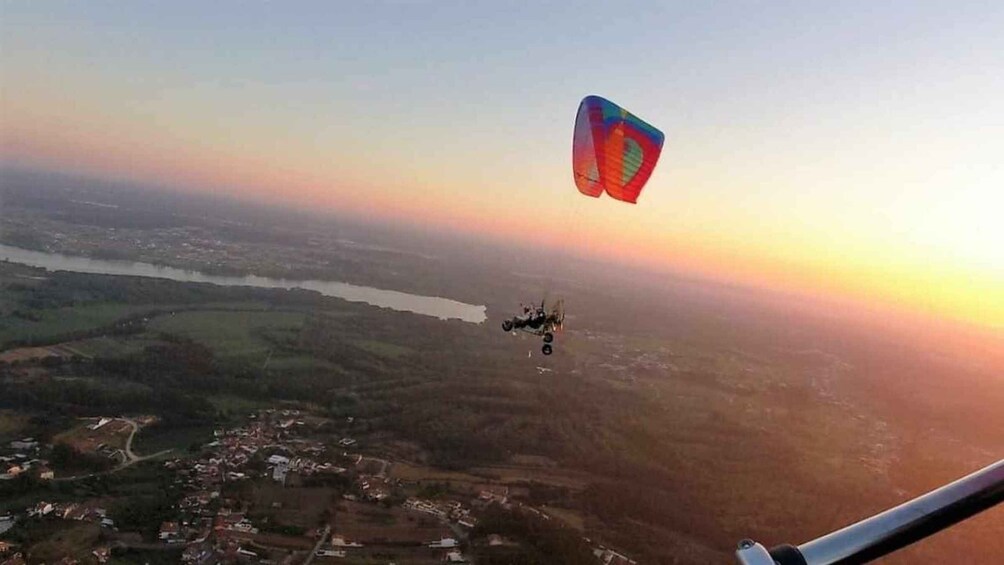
<point>612,150</point>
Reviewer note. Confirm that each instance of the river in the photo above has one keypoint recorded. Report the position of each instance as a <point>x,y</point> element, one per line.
<point>442,308</point>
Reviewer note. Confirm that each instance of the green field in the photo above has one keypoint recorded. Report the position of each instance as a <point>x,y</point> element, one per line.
<point>231,334</point>
<point>299,364</point>
<point>70,539</point>
<point>11,424</point>
<point>154,439</point>
<point>56,322</point>
<point>108,346</point>
<point>232,404</point>
<point>382,348</point>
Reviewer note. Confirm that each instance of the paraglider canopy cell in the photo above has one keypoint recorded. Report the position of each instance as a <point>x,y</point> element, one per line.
<point>613,151</point>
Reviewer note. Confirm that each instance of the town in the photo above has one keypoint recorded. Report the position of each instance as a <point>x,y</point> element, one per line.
<point>281,488</point>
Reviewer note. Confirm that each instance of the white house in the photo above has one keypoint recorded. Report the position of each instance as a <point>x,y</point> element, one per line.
<point>444,543</point>
<point>278,460</point>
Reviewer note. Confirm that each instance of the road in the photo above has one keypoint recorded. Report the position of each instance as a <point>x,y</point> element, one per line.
<point>457,529</point>
<point>131,457</point>
<point>320,542</point>
<point>383,465</point>
<point>383,468</point>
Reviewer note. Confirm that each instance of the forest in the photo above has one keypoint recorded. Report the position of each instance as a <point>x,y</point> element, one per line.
<point>695,459</point>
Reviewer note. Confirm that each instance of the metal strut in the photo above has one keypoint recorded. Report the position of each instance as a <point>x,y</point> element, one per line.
<point>893,529</point>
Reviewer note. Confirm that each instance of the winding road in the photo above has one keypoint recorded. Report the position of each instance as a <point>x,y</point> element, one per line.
<point>130,455</point>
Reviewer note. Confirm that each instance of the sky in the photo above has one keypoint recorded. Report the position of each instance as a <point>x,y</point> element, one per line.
<point>850,150</point>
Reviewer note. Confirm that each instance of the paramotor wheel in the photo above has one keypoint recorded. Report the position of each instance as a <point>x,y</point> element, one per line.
<point>507,325</point>
<point>546,349</point>
<point>548,337</point>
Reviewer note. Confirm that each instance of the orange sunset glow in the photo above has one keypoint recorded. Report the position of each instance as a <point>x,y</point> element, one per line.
<point>502,282</point>
<point>877,182</point>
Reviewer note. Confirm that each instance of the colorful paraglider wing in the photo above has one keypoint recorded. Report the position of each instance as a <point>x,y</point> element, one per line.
<point>612,150</point>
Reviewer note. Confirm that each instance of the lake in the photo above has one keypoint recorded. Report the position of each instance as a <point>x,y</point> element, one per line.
<point>442,308</point>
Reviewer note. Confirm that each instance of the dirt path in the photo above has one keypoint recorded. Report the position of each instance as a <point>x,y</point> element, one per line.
<point>320,542</point>
<point>131,457</point>
<point>383,467</point>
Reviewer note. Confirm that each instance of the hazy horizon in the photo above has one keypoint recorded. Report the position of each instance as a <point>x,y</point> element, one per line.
<point>554,265</point>
<point>847,152</point>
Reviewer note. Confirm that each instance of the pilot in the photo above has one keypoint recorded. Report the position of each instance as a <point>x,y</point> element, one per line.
<point>527,314</point>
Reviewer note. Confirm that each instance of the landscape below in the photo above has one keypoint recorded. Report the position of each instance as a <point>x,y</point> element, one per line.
<point>169,421</point>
